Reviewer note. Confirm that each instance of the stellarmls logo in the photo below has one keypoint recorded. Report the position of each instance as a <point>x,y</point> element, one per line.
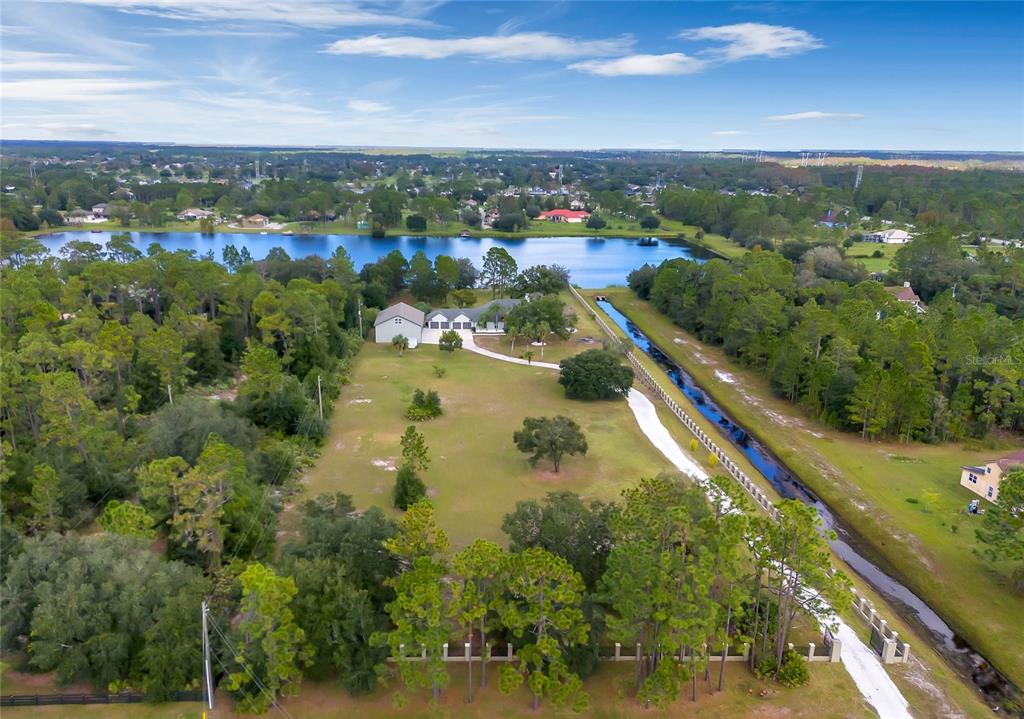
<point>993,360</point>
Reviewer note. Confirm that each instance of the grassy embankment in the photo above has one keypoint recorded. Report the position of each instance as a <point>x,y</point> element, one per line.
<point>905,500</point>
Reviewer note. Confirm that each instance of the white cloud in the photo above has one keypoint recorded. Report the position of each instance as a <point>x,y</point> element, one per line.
<point>673,63</point>
<point>753,39</point>
<point>23,61</point>
<point>815,115</point>
<point>63,90</point>
<point>518,46</point>
<point>367,106</point>
<point>302,13</point>
<point>729,133</point>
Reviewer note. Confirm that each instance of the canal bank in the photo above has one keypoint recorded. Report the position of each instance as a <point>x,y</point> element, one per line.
<point>850,546</point>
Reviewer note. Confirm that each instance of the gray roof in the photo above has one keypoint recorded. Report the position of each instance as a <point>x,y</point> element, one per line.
<point>473,313</point>
<point>400,309</point>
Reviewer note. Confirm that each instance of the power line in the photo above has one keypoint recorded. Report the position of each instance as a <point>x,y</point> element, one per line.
<point>262,687</point>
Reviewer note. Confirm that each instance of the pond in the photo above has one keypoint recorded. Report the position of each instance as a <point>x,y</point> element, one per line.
<point>592,261</point>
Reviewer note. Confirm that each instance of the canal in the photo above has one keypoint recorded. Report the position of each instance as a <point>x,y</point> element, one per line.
<point>847,545</point>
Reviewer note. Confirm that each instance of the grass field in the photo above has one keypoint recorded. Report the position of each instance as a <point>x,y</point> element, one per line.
<point>476,475</point>
<point>929,539</point>
<point>830,694</point>
<point>863,251</point>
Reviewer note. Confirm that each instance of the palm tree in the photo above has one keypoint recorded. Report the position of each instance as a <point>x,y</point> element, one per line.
<point>528,356</point>
<point>543,330</point>
<point>400,343</point>
<point>514,332</point>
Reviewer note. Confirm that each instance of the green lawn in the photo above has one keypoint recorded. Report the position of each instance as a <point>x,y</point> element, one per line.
<point>930,539</point>
<point>863,251</point>
<point>587,336</point>
<point>476,475</point>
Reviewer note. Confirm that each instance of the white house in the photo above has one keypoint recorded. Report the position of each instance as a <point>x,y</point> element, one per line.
<point>399,319</point>
<point>486,318</point>
<point>889,237</point>
<point>420,328</point>
<point>194,213</point>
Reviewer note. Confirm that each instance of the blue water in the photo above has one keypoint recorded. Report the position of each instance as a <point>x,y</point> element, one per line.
<point>592,262</point>
<point>846,544</point>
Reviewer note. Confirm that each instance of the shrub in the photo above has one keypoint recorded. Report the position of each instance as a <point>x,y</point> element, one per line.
<point>877,253</point>
<point>440,371</point>
<point>425,405</point>
<point>409,488</point>
<point>693,444</point>
<point>596,222</point>
<point>450,341</point>
<point>649,222</point>
<point>792,673</point>
<point>712,460</point>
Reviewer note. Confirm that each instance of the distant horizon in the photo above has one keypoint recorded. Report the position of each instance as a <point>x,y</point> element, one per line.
<point>472,148</point>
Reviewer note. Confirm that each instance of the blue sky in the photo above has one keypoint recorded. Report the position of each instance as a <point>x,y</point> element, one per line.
<point>574,75</point>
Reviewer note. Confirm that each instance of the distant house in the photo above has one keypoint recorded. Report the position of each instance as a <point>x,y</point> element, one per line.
<point>905,293</point>
<point>194,213</point>
<point>571,216</point>
<point>99,211</point>
<point>256,221</point>
<point>362,225</point>
<point>889,237</point>
<point>829,219</point>
<point>984,480</point>
<point>399,319</point>
<point>77,217</point>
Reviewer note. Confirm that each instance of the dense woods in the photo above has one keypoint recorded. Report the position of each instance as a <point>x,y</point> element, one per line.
<point>850,352</point>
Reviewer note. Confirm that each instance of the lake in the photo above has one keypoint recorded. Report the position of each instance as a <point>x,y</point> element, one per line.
<point>592,262</point>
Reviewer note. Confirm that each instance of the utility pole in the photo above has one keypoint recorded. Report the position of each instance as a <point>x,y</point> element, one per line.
<point>320,397</point>
<point>360,311</point>
<point>206,658</point>
<point>170,397</point>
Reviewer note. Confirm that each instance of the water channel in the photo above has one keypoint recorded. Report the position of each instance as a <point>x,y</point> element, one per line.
<point>848,545</point>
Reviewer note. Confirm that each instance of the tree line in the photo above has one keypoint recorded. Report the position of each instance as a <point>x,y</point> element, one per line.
<point>852,354</point>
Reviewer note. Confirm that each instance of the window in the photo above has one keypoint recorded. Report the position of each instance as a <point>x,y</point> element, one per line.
<point>444,325</point>
<point>988,470</point>
<point>971,476</point>
<point>398,320</point>
<point>989,492</point>
<point>434,325</point>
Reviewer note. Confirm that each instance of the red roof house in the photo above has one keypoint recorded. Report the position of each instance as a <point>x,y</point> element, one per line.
<point>565,215</point>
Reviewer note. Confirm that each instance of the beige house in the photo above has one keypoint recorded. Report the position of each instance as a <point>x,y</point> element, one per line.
<point>256,221</point>
<point>984,480</point>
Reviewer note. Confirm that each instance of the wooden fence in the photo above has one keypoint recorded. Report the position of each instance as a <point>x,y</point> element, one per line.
<point>35,700</point>
<point>828,651</point>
